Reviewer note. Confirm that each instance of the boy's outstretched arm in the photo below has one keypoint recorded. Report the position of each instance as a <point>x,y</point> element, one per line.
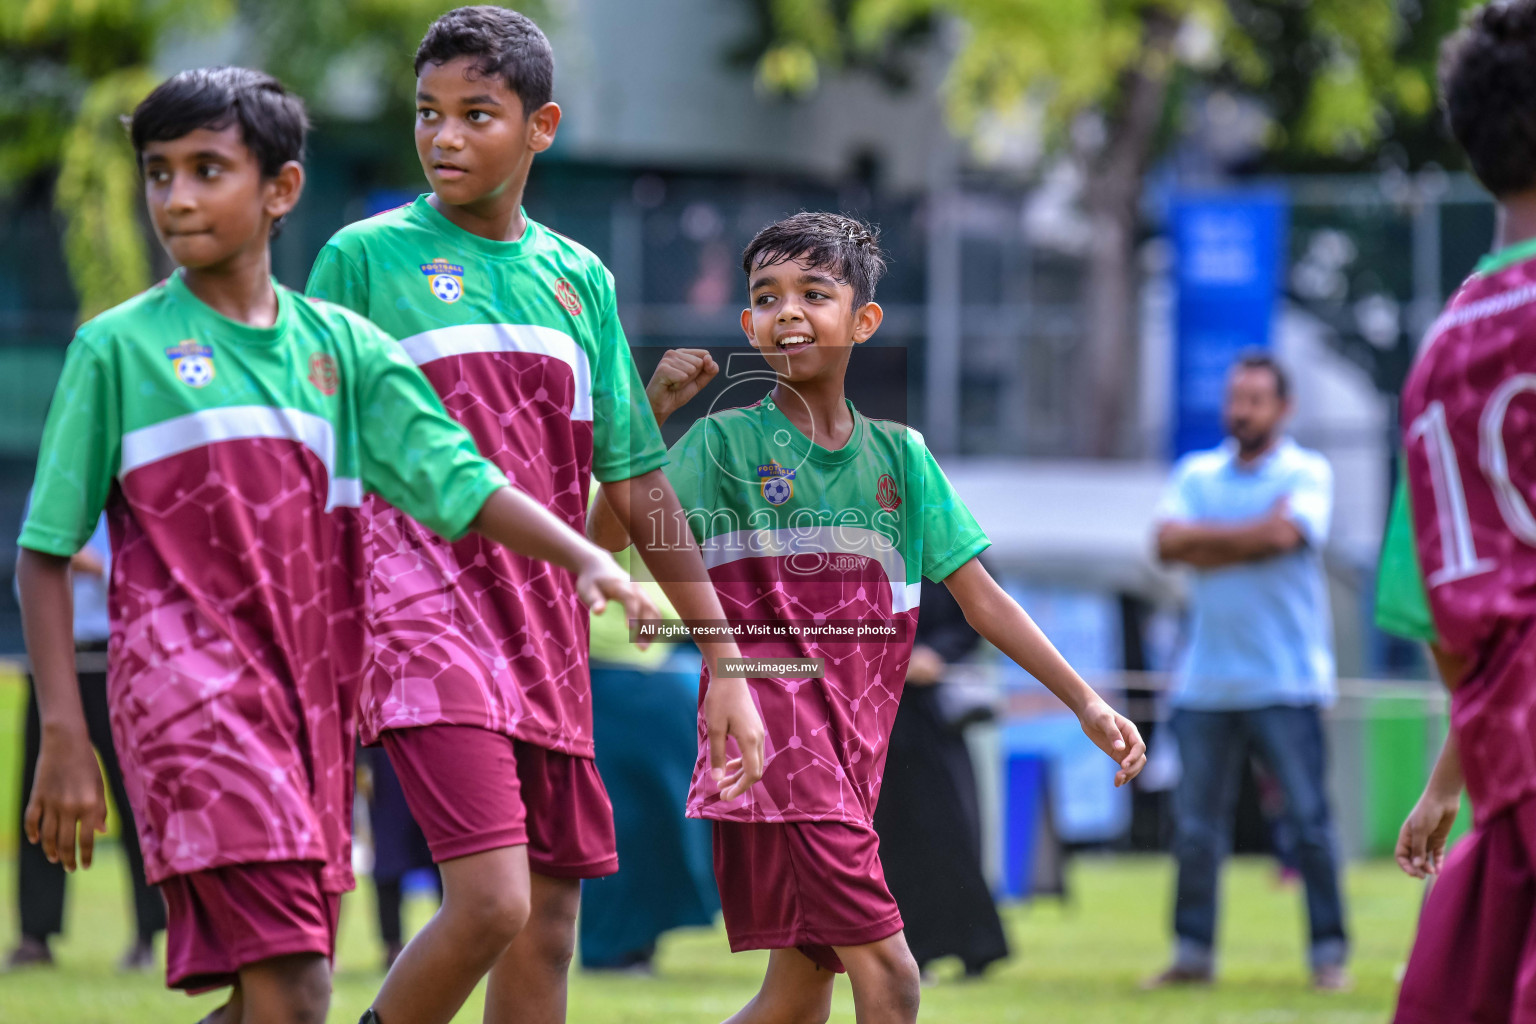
<point>67,793</point>
<point>638,507</point>
<point>998,618</point>
<point>517,522</point>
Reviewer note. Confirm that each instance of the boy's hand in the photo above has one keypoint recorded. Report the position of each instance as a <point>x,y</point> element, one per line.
<point>681,374</point>
<point>1117,736</point>
<point>67,797</point>
<point>601,580</point>
<point>1421,843</point>
<point>730,712</point>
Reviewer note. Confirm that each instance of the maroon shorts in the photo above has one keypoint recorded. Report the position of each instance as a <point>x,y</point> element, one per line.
<point>1474,959</point>
<point>807,885</point>
<point>473,790</point>
<point>223,919</point>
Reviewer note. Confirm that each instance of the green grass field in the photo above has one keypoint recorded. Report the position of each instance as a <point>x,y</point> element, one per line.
<point>1075,962</point>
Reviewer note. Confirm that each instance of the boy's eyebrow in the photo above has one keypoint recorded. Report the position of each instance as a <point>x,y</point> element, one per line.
<point>202,154</point>
<point>483,99</point>
<point>806,278</point>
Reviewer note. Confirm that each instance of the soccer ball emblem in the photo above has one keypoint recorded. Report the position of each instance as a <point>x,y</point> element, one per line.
<point>777,490</point>
<point>194,371</point>
<point>447,287</point>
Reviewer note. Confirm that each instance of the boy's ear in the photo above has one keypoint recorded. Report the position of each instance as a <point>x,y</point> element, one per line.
<point>542,125</point>
<point>866,321</point>
<point>284,188</point>
<point>746,327</point>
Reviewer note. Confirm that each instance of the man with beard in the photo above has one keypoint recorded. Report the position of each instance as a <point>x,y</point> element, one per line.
<point>1250,517</point>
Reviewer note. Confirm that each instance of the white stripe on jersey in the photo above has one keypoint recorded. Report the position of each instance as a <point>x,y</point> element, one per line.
<point>465,339</point>
<point>1482,309</point>
<point>825,540</point>
<point>242,422</point>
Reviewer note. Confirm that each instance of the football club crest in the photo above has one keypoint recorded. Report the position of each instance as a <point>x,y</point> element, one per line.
<point>568,297</point>
<point>445,279</point>
<point>193,363</point>
<point>885,493</point>
<point>322,373</point>
<point>778,483</point>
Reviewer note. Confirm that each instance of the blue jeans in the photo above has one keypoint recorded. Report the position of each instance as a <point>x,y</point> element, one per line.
<point>1212,747</point>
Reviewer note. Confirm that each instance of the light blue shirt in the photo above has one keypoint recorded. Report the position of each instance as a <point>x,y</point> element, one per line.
<point>1260,633</point>
<point>92,622</point>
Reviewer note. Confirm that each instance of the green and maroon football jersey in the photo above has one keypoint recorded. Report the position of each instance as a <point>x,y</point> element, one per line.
<point>1459,563</point>
<point>834,545</point>
<point>232,462</point>
<point>522,341</point>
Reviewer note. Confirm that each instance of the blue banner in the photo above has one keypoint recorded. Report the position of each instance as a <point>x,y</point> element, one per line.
<point>1228,249</point>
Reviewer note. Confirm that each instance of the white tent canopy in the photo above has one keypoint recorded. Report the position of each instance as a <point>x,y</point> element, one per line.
<point>1081,523</point>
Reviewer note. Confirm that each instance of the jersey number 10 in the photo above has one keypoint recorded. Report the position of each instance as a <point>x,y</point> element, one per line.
<point>1459,552</point>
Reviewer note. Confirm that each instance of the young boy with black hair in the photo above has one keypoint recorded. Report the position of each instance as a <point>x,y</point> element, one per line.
<point>230,429</point>
<point>1458,569</point>
<point>479,686</point>
<point>819,522</point>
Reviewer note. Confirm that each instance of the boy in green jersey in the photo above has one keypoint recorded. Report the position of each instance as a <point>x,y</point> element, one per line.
<point>230,429</point>
<point>817,525</point>
<point>478,685</point>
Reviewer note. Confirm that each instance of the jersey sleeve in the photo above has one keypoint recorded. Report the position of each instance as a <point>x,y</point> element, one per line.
<point>1177,503</point>
<point>625,439</point>
<point>951,535</point>
<point>80,454</point>
<point>414,455</point>
<point>1309,504</point>
<point>339,278</point>
<point>1402,603</point>
<point>693,469</point>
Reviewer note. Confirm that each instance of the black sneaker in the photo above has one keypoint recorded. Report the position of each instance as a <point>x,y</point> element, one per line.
<point>31,951</point>
<point>140,957</point>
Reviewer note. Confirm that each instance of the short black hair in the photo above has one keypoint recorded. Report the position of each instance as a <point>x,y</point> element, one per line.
<point>1258,359</point>
<point>1488,90</point>
<point>272,119</point>
<point>499,42</point>
<point>847,247</point>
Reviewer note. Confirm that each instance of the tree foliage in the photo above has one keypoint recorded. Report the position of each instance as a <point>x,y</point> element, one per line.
<point>71,69</point>
<point>1345,72</point>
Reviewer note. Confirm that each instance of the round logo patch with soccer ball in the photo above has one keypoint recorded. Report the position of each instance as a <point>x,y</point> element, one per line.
<point>778,483</point>
<point>192,363</point>
<point>445,279</point>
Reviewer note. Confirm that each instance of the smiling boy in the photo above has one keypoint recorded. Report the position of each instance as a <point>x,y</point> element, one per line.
<point>814,519</point>
<point>479,686</point>
<point>230,429</point>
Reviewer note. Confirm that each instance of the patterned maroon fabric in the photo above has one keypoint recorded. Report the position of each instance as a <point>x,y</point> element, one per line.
<point>1469,416</point>
<point>236,655</point>
<point>468,633</point>
<point>826,739</point>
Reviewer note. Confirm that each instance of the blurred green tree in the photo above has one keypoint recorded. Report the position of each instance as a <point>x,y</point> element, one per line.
<point>1103,78</point>
<point>70,69</point>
